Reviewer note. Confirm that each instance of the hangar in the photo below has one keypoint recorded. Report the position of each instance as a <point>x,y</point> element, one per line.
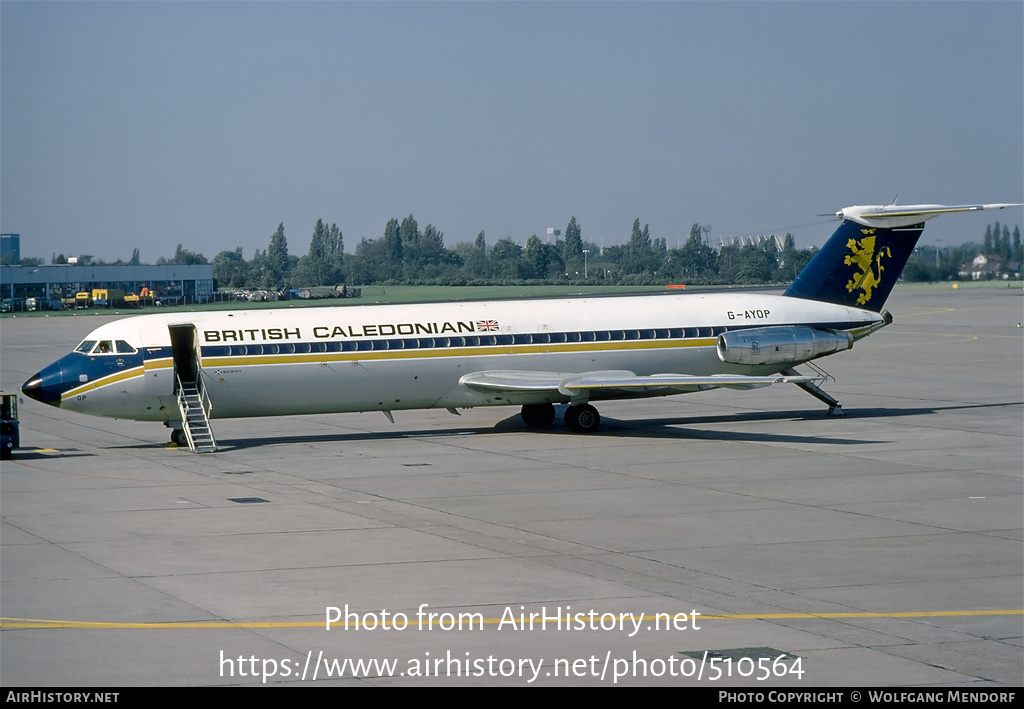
<point>169,283</point>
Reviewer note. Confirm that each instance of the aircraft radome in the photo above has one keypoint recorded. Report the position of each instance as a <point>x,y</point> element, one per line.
<point>185,369</point>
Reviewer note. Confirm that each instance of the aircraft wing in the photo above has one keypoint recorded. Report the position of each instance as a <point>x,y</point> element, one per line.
<point>575,384</point>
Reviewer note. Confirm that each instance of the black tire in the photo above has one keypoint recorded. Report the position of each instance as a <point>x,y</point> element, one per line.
<point>538,415</point>
<point>582,419</point>
<point>179,438</point>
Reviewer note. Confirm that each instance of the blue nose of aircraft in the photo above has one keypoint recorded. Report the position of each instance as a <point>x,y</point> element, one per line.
<point>46,386</point>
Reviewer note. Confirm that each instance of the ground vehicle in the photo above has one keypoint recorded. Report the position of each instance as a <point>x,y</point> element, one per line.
<point>10,431</point>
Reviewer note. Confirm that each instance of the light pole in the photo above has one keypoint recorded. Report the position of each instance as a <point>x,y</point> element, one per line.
<point>585,252</point>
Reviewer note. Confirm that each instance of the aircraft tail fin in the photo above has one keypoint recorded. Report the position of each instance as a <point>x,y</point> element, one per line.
<point>861,262</point>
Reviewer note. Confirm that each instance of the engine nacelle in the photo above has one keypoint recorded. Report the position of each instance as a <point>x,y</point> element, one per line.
<point>783,345</point>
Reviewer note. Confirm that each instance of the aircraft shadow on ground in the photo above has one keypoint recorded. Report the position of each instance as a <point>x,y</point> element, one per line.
<point>678,427</point>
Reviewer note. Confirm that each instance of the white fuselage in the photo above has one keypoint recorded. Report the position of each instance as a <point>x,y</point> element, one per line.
<point>391,357</point>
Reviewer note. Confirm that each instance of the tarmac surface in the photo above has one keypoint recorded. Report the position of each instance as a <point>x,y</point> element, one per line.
<point>879,549</point>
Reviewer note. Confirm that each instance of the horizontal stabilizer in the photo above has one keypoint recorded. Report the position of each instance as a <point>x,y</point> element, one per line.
<point>892,216</point>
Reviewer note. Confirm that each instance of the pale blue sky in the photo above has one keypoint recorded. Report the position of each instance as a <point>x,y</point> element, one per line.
<point>208,123</point>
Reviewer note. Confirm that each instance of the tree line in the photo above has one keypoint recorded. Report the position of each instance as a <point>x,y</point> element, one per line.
<point>407,254</point>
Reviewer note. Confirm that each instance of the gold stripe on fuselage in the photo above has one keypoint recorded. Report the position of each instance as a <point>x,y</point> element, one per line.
<point>103,381</point>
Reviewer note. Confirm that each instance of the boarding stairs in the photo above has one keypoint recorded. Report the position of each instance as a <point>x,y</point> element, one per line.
<point>195,409</point>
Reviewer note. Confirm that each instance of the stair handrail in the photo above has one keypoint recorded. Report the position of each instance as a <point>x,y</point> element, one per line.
<point>207,405</point>
<point>183,408</point>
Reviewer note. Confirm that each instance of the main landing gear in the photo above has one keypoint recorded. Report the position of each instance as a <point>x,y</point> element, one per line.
<point>538,415</point>
<point>582,418</point>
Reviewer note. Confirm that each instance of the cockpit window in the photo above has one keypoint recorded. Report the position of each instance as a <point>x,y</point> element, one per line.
<point>104,347</point>
<point>124,348</point>
<point>86,346</point>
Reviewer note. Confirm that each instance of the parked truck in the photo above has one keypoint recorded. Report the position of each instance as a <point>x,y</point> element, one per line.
<point>10,430</point>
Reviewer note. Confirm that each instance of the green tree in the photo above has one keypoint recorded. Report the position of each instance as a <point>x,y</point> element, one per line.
<point>370,264</point>
<point>322,265</point>
<point>433,258</point>
<point>505,259</point>
<point>409,233</point>
<point>474,258</point>
<point>696,260</point>
<point>334,255</point>
<point>639,253</point>
<point>758,263</point>
<point>230,269</point>
<point>310,270</point>
<point>572,246</point>
<point>392,268</point>
<point>535,258</point>
<point>184,257</point>
<point>277,261</point>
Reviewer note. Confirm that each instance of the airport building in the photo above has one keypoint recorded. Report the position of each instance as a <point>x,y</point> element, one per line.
<point>169,284</point>
<point>10,248</point>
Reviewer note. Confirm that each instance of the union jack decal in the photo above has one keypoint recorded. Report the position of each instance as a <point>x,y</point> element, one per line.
<point>486,325</point>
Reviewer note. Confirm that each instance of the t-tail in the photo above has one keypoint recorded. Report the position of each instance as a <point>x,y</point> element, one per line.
<point>862,261</point>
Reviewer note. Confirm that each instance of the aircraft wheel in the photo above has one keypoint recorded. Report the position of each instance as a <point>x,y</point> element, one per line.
<point>538,415</point>
<point>179,438</point>
<point>582,419</point>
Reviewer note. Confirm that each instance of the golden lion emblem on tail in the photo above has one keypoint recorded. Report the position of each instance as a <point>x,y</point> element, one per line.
<point>863,257</point>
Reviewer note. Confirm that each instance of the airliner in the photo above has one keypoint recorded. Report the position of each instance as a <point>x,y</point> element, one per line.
<point>185,369</point>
